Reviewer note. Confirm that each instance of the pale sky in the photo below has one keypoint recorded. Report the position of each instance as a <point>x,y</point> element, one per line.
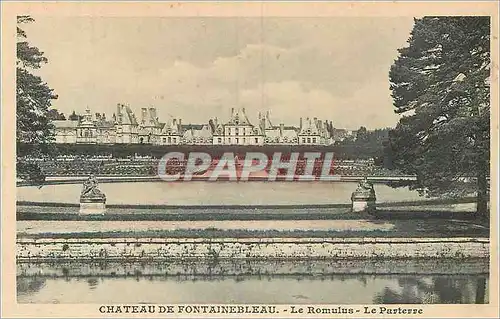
<point>197,68</point>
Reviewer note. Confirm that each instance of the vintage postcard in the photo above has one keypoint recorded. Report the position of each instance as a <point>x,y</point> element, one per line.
<point>250,159</point>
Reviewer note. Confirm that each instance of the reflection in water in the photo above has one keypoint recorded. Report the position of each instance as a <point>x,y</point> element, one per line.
<point>105,285</point>
<point>443,290</point>
<point>92,283</point>
<point>29,285</point>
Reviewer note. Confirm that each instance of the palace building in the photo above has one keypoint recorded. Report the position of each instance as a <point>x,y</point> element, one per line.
<point>124,128</point>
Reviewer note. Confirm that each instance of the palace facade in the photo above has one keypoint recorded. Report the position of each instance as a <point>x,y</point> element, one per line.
<point>124,128</point>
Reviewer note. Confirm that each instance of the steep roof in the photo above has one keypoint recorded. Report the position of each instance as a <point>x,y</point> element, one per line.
<point>65,124</point>
<point>277,133</point>
<point>309,127</point>
<point>172,127</point>
<point>125,113</point>
<point>149,117</point>
<point>192,133</point>
<point>192,126</point>
<point>289,133</point>
<point>239,117</point>
<point>131,115</point>
<point>104,124</point>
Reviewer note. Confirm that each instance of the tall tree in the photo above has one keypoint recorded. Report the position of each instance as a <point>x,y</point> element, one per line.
<point>440,86</point>
<point>33,99</point>
<point>362,134</point>
<point>54,115</point>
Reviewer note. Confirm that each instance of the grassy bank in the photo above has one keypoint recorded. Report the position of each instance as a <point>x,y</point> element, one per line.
<point>240,215</point>
<point>417,203</point>
<point>362,229</point>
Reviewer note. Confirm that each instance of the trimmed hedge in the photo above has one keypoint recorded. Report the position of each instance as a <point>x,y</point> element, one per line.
<point>125,150</point>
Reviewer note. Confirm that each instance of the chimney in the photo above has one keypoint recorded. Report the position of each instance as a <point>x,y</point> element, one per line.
<point>180,124</point>
<point>267,114</point>
<point>243,109</point>
<point>260,115</point>
<point>144,113</point>
<point>282,127</point>
<point>300,125</point>
<point>175,123</point>
<point>216,122</point>
<point>232,111</point>
<point>119,113</point>
<point>152,111</point>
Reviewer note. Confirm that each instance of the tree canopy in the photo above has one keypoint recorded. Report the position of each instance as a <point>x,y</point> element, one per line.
<point>55,115</point>
<point>440,86</point>
<point>33,100</point>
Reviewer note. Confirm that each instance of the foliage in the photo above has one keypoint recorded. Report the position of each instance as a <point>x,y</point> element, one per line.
<point>367,144</point>
<point>54,115</point>
<point>440,86</point>
<point>347,151</point>
<point>33,99</point>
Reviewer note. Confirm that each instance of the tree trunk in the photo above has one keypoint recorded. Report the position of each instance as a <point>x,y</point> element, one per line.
<point>482,190</point>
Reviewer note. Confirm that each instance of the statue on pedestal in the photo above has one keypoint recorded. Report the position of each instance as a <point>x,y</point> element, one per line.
<point>365,187</point>
<point>363,198</point>
<point>92,200</point>
<point>91,192</point>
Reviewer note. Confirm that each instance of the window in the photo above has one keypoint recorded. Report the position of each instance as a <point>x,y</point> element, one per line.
<point>237,141</point>
<point>174,140</point>
<point>303,140</point>
<point>164,140</point>
<point>256,140</point>
<point>169,140</point>
<point>314,140</point>
<point>219,140</point>
<point>308,140</point>
<point>237,132</point>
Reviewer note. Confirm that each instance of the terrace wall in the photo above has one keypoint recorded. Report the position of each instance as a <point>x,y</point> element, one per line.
<point>249,248</point>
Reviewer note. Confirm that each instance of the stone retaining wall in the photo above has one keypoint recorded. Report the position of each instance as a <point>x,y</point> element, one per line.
<point>249,248</point>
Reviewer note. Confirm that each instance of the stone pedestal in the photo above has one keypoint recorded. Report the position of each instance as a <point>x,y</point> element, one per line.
<point>92,200</point>
<point>363,202</point>
<point>92,206</point>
